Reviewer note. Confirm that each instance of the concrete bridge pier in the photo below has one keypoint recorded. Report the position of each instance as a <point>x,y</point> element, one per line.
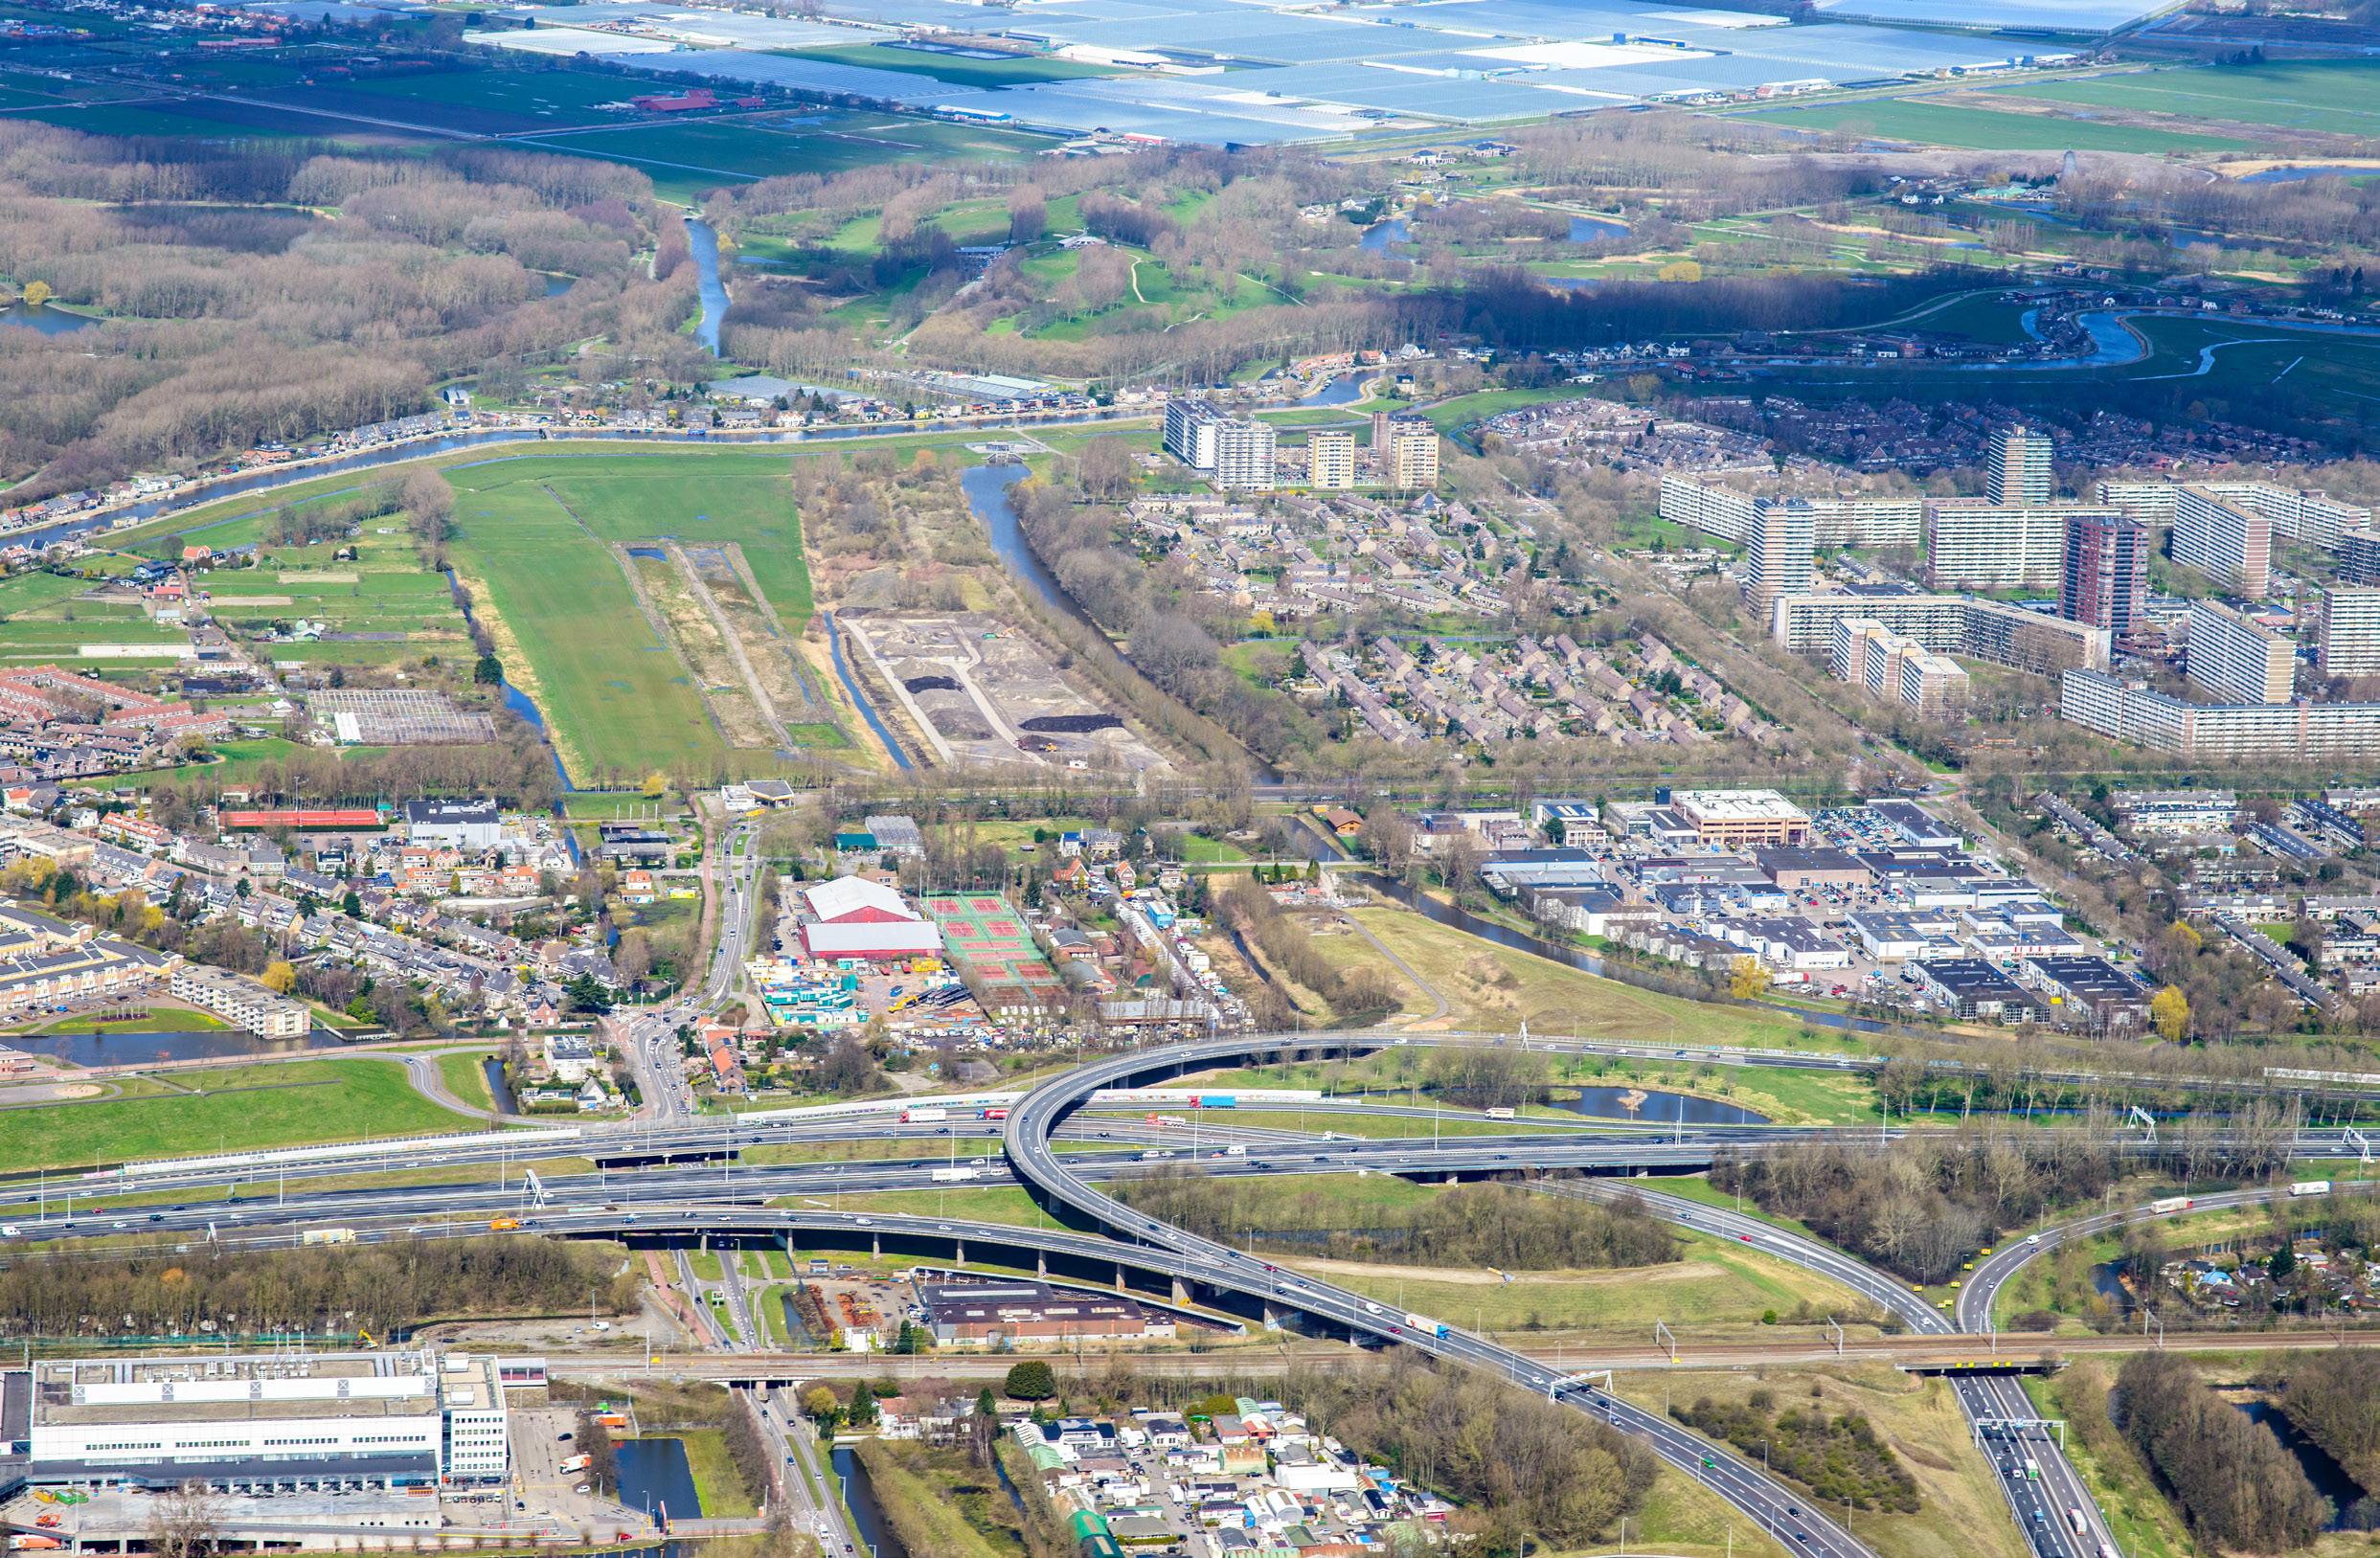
<point>1041,1263</point>
<point>1181,1291</point>
<point>875,1245</point>
<point>963,1251</point>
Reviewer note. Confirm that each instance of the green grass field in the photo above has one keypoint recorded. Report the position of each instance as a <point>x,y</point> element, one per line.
<point>1979,129</point>
<point>751,148</point>
<point>613,695</point>
<point>2338,96</point>
<point>360,1098</point>
<point>465,1079</point>
<point>952,70</point>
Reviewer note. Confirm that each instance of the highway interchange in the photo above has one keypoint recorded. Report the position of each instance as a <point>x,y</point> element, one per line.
<point>1061,1146</point>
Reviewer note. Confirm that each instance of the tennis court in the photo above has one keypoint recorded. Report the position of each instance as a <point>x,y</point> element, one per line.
<point>984,934</point>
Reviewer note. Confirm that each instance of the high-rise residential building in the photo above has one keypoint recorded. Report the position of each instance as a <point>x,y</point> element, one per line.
<point>2346,640</point>
<point>1331,460</point>
<point>1231,453</point>
<point>2106,579</point>
<point>1958,624</point>
<point>2296,514</point>
<point>1710,505</point>
<point>2301,730</point>
<point>2236,658</point>
<point>1409,459</point>
<point>2020,468</point>
<point>2003,546</point>
<point>1890,664</point>
<point>2358,556</point>
<point>2224,538</point>
<point>1777,552</point>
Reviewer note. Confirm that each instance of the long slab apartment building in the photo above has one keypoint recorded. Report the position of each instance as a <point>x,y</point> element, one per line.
<point>265,1422</point>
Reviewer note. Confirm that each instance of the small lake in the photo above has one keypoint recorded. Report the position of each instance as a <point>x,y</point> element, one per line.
<point>121,1048</point>
<point>1345,390</point>
<point>40,316</point>
<point>653,1473</point>
<point>1596,229</point>
<point>1658,1108</point>
<point>557,286</point>
<point>1378,239</point>
<point>2329,1478</point>
<point>860,1497</point>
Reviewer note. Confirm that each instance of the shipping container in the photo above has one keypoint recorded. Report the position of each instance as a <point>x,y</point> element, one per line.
<point>2310,1187</point>
<point>2171,1203</point>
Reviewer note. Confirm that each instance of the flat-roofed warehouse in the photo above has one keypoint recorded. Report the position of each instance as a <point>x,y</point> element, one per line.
<point>975,1313</point>
<point>261,1423</point>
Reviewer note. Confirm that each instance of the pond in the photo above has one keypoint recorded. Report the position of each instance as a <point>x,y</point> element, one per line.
<point>1596,229</point>
<point>39,316</point>
<point>1656,1108</point>
<point>2329,1478</point>
<point>1345,390</point>
<point>860,1499</point>
<point>655,1475</point>
<point>1392,231</point>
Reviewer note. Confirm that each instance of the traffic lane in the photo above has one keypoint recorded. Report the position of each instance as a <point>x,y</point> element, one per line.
<point>1863,1279</point>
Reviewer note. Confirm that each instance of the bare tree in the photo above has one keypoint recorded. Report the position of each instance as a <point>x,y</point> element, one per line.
<point>185,1522</point>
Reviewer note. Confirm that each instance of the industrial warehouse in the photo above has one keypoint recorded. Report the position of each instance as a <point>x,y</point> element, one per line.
<point>260,1423</point>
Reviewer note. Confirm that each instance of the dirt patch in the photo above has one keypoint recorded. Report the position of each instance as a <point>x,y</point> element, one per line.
<point>717,677</point>
<point>1683,1271</point>
<point>78,1090</point>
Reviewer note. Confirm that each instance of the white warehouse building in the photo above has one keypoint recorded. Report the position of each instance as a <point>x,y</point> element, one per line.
<point>267,1422</point>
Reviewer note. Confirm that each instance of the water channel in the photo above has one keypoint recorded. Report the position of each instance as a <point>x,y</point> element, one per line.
<point>654,1475</point>
<point>706,246</point>
<point>122,1048</point>
<point>498,1088</point>
<point>2329,1478</point>
<point>860,1497</point>
<point>1655,1108</point>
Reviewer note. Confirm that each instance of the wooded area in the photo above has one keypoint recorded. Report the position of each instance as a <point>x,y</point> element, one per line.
<point>2238,1487</point>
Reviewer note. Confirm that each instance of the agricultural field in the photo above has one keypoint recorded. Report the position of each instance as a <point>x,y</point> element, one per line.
<point>2339,97</point>
<point>1980,129</point>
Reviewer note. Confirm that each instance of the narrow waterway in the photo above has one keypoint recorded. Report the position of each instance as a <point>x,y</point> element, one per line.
<point>498,1088</point>
<point>713,293</point>
<point>654,1475</point>
<point>102,1046</point>
<point>860,1497</point>
<point>986,487</point>
<point>2329,1478</point>
<point>859,699</point>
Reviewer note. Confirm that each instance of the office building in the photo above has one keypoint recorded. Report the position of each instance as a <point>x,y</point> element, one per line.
<point>2233,657</point>
<point>1330,461</point>
<point>241,1001</point>
<point>461,824</point>
<point>1951,625</point>
<point>2298,731</point>
<point>1777,552</point>
<point>1409,458</point>
<point>1738,818</point>
<point>1231,453</point>
<point>266,1422</point>
<point>2359,558</point>
<point>2346,631</point>
<point>1983,546</point>
<point>2104,579</point>
<point>2019,471</point>
<point>2224,539</point>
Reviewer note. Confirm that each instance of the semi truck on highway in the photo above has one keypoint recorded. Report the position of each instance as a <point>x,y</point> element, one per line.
<point>2073,1518</point>
<point>992,1113</point>
<point>2310,1187</point>
<point>1426,1325</point>
<point>2171,1203</point>
<point>329,1235</point>
<point>924,1116</point>
<point>950,1176</point>
<point>2032,1469</point>
<point>576,1463</point>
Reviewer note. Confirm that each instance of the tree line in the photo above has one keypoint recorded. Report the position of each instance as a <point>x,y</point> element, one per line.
<point>382,1288</point>
<point>1470,1226</point>
<point>2227,1473</point>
